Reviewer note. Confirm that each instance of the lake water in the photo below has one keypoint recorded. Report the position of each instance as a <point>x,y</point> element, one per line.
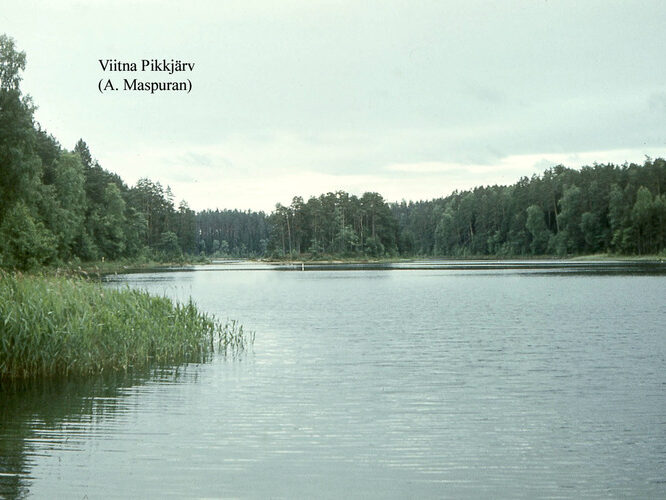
<point>416,380</point>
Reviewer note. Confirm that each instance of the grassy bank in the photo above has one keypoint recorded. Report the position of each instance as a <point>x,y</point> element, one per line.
<point>51,326</point>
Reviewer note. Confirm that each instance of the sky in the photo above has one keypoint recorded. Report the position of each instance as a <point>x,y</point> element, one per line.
<point>299,97</point>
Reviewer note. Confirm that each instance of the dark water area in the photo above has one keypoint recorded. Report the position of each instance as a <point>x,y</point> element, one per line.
<point>411,380</point>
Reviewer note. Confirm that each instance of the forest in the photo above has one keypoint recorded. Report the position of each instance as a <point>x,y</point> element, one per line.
<point>598,209</point>
<point>61,206</point>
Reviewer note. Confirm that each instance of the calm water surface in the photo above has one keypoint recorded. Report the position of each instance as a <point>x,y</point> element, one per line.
<point>412,381</point>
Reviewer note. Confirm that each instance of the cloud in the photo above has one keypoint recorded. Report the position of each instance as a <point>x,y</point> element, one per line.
<point>428,167</point>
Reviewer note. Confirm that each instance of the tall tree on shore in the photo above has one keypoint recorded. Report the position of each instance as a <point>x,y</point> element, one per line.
<point>24,239</point>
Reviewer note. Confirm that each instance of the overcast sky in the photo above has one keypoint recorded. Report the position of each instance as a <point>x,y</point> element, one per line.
<point>409,99</point>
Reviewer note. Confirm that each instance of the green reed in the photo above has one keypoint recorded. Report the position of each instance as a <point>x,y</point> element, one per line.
<point>52,326</point>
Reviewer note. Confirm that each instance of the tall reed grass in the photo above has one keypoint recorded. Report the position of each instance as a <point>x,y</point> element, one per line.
<point>52,326</point>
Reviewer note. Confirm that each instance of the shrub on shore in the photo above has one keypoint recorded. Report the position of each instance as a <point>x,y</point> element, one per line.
<point>53,326</point>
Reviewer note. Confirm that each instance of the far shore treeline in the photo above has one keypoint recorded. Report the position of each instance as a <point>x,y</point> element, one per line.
<point>60,206</point>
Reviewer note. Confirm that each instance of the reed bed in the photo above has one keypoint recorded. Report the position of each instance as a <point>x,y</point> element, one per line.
<point>54,326</point>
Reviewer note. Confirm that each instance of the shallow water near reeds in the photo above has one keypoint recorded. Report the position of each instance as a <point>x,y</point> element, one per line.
<point>411,380</point>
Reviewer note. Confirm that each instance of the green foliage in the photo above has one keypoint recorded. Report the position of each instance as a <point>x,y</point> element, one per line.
<point>593,233</point>
<point>20,166</point>
<point>24,242</point>
<point>108,225</point>
<point>605,208</point>
<point>52,326</point>
<point>64,204</point>
<point>536,225</point>
<point>569,218</point>
<point>168,245</point>
<point>563,212</point>
<point>13,62</point>
<point>231,233</point>
<point>617,217</point>
<point>334,223</point>
<point>373,247</point>
<point>647,215</point>
<point>186,228</point>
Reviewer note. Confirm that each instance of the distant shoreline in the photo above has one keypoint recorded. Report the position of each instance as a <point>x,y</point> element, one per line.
<point>98,269</point>
<point>591,257</point>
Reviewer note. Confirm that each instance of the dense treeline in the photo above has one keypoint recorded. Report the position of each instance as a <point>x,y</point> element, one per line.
<point>58,205</point>
<point>334,224</point>
<point>232,233</point>
<point>604,208</point>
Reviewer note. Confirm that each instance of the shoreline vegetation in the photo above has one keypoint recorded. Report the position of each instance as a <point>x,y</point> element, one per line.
<point>65,326</point>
